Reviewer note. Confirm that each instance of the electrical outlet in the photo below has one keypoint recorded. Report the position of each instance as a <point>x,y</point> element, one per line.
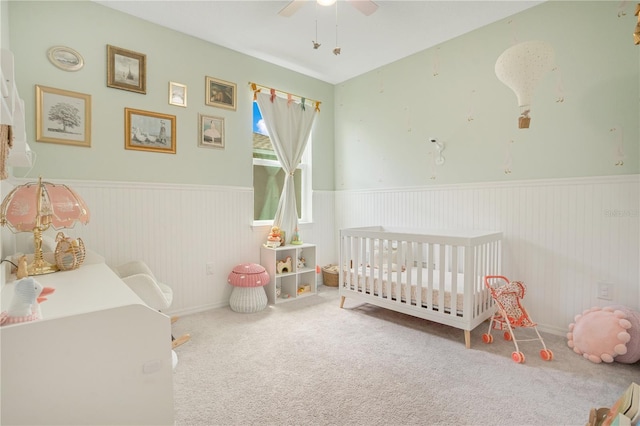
<point>210,268</point>
<point>605,290</point>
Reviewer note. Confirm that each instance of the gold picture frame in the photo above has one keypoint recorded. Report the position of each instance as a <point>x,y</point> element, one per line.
<point>126,70</point>
<point>177,94</point>
<point>149,131</point>
<point>220,93</point>
<point>211,132</point>
<point>63,116</point>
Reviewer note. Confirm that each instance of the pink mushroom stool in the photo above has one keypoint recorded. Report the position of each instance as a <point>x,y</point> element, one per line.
<point>247,280</point>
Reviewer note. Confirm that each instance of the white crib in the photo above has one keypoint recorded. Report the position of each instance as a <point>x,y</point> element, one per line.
<point>436,275</point>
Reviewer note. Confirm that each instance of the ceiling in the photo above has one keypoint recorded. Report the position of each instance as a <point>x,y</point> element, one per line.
<point>396,30</point>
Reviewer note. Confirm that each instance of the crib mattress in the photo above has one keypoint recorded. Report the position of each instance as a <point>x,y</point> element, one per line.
<point>370,281</point>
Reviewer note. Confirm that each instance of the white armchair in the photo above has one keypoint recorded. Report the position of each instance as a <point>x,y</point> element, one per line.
<point>137,275</point>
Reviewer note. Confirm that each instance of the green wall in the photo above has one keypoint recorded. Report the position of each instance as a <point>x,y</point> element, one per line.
<point>385,117</point>
<point>171,56</point>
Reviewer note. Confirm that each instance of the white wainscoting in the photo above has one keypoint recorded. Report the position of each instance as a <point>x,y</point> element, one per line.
<point>561,236</point>
<point>178,229</point>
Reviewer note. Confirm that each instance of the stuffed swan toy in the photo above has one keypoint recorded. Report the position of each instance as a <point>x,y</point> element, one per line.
<point>24,306</point>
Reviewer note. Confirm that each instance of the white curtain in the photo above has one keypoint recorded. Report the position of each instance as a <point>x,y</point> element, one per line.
<point>289,125</point>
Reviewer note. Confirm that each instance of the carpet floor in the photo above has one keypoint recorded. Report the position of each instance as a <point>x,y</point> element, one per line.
<point>308,362</point>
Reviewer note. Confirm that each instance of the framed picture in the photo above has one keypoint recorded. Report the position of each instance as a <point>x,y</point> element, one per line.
<point>63,116</point>
<point>211,132</point>
<point>126,70</point>
<point>65,58</point>
<point>177,94</point>
<point>149,131</point>
<point>220,93</point>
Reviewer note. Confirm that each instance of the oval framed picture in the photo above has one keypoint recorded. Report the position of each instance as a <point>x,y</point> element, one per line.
<point>65,58</point>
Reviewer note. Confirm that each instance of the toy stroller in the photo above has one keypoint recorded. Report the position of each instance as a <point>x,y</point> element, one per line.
<point>511,314</point>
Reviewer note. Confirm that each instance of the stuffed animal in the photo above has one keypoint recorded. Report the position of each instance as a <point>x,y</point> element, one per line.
<point>284,265</point>
<point>606,334</point>
<point>275,238</point>
<point>28,294</point>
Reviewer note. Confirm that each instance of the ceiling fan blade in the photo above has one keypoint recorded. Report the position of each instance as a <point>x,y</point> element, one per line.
<point>367,7</point>
<point>291,8</point>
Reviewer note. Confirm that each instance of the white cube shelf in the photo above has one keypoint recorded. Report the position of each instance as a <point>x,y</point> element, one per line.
<point>294,282</point>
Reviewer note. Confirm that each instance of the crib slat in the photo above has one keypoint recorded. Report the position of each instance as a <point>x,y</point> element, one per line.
<point>348,261</point>
<point>454,280</point>
<point>417,254</point>
<point>362,265</point>
<point>398,275</point>
<point>468,297</point>
<point>481,271</point>
<point>441,270</point>
<point>430,265</point>
<point>377,262</point>
<point>368,263</point>
<point>357,260</point>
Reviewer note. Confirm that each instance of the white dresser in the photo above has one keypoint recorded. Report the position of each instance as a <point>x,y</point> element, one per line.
<point>98,356</point>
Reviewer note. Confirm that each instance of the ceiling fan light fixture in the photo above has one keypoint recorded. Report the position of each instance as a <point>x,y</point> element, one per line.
<point>326,2</point>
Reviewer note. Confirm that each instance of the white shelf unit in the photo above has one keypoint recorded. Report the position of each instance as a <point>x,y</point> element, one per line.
<point>12,113</point>
<point>287,284</point>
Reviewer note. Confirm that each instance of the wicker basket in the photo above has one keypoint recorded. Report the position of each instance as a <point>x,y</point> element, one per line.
<point>69,253</point>
<point>330,275</point>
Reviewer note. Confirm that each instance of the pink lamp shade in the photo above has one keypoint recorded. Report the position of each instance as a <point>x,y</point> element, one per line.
<point>59,207</point>
<point>248,275</point>
<point>34,207</point>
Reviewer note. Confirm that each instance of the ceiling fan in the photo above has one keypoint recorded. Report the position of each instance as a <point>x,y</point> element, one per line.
<point>367,7</point>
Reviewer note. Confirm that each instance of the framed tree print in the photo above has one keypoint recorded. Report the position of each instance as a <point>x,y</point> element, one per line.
<point>126,70</point>
<point>63,116</point>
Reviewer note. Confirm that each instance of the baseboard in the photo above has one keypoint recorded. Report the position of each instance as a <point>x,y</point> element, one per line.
<point>197,309</point>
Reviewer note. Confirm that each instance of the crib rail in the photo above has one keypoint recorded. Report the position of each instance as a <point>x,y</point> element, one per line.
<point>436,275</point>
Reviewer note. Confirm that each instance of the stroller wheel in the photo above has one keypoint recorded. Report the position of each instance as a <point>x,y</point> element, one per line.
<point>507,336</point>
<point>546,354</point>
<point>518,357</point>
<point>487,338</point>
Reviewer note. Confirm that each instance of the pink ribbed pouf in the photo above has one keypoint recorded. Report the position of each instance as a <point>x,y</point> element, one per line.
<point>248,294</point>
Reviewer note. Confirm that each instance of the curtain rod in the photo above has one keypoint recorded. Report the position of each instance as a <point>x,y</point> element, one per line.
<point>255,87</point>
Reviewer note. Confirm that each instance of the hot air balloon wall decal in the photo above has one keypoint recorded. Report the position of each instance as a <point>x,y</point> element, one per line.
<point>521,67</point>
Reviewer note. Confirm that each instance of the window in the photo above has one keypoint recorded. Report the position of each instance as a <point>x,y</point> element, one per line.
<point>268,176</point>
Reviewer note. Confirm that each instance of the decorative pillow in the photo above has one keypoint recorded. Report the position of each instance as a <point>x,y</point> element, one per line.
<point>633,345</point>
<point>606,334</point>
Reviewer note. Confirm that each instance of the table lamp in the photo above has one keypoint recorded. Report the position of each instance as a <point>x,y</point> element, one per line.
<point>35,206</point>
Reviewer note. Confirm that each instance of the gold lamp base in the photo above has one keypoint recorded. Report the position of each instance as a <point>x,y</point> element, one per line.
<point>41,267</point>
